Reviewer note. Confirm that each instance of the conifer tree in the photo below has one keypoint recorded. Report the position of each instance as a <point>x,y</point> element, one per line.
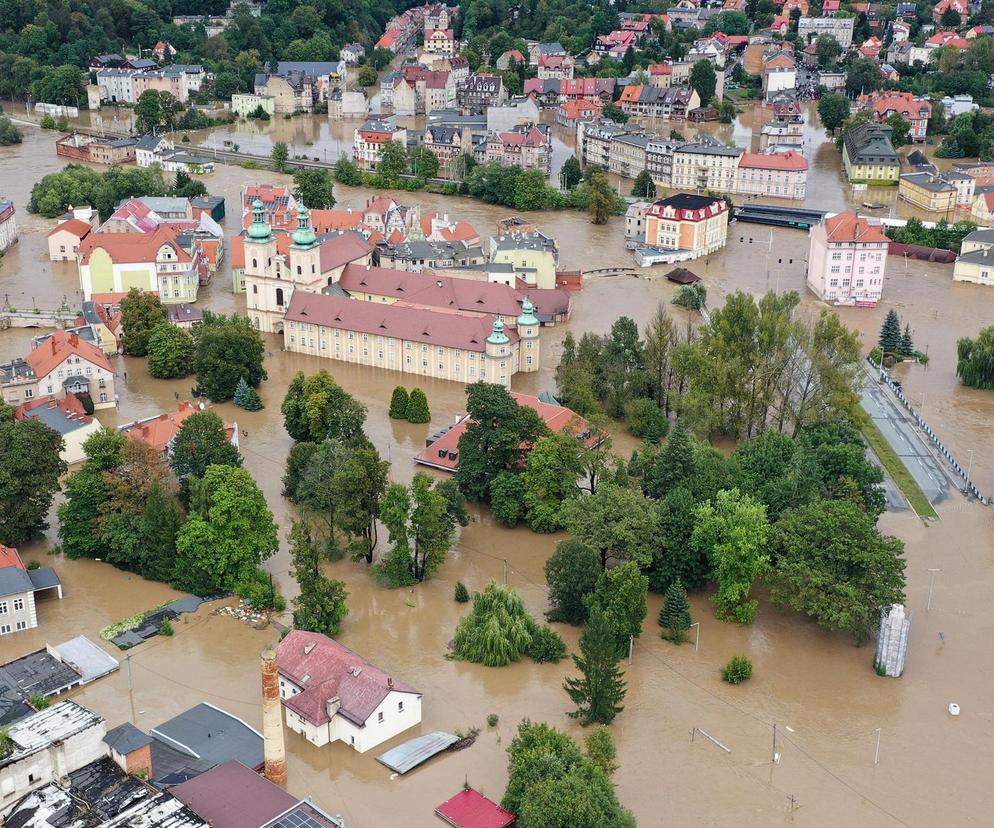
<point>247,397</point>
<point>890,333</point>
<point>674,465</point>
<point>600,689</point>
<point>398,403</point>
<point>417,407</point>
<point>675,613</point>
<point>907,343</point>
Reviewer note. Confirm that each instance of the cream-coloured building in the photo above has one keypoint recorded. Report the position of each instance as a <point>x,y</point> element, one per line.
<point>687,222</point>
<point>705,166</point>
<point>976,261</point>
<point>927,191</point>
<point>245,104</point>
<point>534,257</point>
<point>847,258</point>
<point>277,265</point>
<point>426,342</point>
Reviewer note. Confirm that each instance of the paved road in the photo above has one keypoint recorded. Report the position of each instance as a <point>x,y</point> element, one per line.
<point>902,433</point>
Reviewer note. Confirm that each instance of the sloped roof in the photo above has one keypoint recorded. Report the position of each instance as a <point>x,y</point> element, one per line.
<point>58,347</point>
<point>212,735</point>
<point>774,160</point>
<point>231,795</point>
<point>341,249</point>
<point>847,226</point>
<point>471,809</point>
<point>77,227</point>
<point>133,247</point>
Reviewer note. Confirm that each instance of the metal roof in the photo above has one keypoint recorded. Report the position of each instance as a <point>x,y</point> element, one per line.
<point>213,735</point>
<point>413,752</point>
<point>14,581</point>
<point>126,738</point>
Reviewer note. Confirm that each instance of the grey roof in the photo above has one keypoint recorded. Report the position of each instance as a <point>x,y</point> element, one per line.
<point>702,148</point>
<point>150,142</point>
<point>16,369</point>
<point>44,578</point>
<point>38,672</point>
<point>309,67</point>
<point>928,181</point>
<point>14,581</point>
<point>212,735</point>
<point>870,143</point>
<point>75,380</point>
<point>982,236</point>
<point>126,738</point>
<point>184,313</point>
<point>161,811</point>
<point>636,140</point>
<point>165,204</point>
<point>88,659</point>
<point>553,48</point>
<point>983,256</point>
<point>413,752</point>
<point>54,724</point>
<point>143,63</point>
<point>57,420</point>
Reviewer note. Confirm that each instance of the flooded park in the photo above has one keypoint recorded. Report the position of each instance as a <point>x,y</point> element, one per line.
<point>821,692</point>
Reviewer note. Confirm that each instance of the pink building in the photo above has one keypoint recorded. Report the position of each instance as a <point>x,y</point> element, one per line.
<point>847,258</point>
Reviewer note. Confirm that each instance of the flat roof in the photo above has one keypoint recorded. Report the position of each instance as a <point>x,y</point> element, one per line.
<point>408,755</point>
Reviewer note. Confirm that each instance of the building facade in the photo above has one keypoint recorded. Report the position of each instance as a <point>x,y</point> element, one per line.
<point>369,139</point>
<point>689,222</point>
<point>847,259</point>
<point>704,166</point>
<point>868,155</point>
<point>781,174</point>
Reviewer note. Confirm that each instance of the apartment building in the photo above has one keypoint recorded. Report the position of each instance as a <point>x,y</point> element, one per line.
<point>705,166</point>
<point>916,111</point>
<point>847,259</point>
<point>368,141</point>
<point>687,222</point>
<point>781,175</point>
<point>868,155</point>
<point>480,91</point>
<point>628,154</point>
<point>526,146</point>
<point>841,28</point>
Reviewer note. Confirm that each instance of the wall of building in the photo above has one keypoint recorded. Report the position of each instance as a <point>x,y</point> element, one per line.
<point>20,778</point>
<point>17,613</point>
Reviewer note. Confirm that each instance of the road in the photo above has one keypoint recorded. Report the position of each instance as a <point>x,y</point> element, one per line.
<point>902,433</point>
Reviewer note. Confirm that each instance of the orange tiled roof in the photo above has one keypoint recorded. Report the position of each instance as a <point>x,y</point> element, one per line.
<point>774,160</point>
<point>847,226</point>
<point>9,556</point>
<point>77,227</point>
<point>132,247</point>
<point>159,431</point>
<point>48,355</point>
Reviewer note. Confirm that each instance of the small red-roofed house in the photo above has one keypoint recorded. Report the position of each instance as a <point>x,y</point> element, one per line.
<point>471,809</point>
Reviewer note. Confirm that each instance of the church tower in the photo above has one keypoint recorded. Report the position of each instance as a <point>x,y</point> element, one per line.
<point>498,355</point>
<point>260,251</point>
<point>528,345</point>
<point>305,254</point>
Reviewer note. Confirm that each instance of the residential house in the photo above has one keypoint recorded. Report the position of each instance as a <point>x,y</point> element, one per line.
<point>18,587</point>
<point>635,222</point>
<point>418,256</point>
<point>367,144</point>
<point>516,112</point>
<point>869,156</point>
<point>555,66</point>
<point>590,89</point>
<point>346,105</point>
<point>352,53</point>
<point>504,61</point>
<point>149,147</point>
<point>785,133</point>
<point>927,191</point>
<point>537,50</point>
<point>659,159</point>
<point>61,364</point>
<point>916,111</point>
<point>440,42</point>
<point>46,746</point>
<point>614,44</point>
<point>593,141</point>
<point>449,144</point>
<point>184,315</point>
<point>687,222</point>
<point>939,39</point>
<point>847,259</point>
<point>628,154</point>
<point>527,146</point>
<point>68,417</point>
<point>704,165</point>
<point>480,91</point>
<point>64,240</point>
<point>673,103</point>
<point>247,104</point>
<point>976,260</point>
<point>96,150</point>
<point>8,224</point>
<point>779,74</point>
<point>841,28</point>
<point>960,7</point>
<point>776,174</point>
<point>574,111</point>
<point>160,430</point>
<point>534,257</point>
<point>104,319</point>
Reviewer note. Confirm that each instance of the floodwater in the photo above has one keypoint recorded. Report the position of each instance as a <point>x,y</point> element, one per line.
<point>820,691</point>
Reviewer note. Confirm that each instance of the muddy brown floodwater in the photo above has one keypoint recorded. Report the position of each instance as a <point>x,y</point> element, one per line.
<point>820,691</point>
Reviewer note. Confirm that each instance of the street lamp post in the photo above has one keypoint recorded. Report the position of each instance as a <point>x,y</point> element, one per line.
<point>697,641</point>
<point>931,584</point>
<point>876,753</point>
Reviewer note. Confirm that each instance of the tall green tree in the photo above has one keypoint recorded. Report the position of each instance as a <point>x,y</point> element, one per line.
<point>703,80</point>
<point>148,112</point>
<point>85,492</point>
<point>229,534</point>
<point>360,480</point>
<point>314,187</point>
<point>227,349</point>
<point>497,630</point>
<point>617,522</point>
<point>571,173</point>
<point>170,351</point>
<point>890,333</point>
<point>674,614</point>
<point>644,186</point>
<point>423,162</point>
<point>30,467</point>
<point>316,408</point>
<point>398,403</point>
<point>675,558</point>
<point>975,359</point>
<point>674,464</point>
<point>571,572</point>
<point>417,407</point>
<point>392,162</point>
<point>319,494</point>
<point>831,563</point>
<point>549,479</point>
<point>734,533</point>
<point>600,689</point>
<point>619,595</point>
<point>320,606</point>
<point>602,198</point>
<point>141,313</point>
<point>833,110</point>
<point>279,155</point>
<point>202,441</point>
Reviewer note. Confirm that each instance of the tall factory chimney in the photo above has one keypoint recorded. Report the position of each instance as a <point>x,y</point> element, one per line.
<point>272,720</point>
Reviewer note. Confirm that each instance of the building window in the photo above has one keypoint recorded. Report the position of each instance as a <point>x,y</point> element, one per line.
<point>4,629</point>
<point>379,717</point>
<point>21,625</point>
<point>3,607</point>
<point>18,604</point>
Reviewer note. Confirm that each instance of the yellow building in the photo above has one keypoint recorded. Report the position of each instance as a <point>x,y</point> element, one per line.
<point>705,166</point>
<point>534,257</point>
<point>976,261</point>
<point>869,156</point>
<point>927,191</point>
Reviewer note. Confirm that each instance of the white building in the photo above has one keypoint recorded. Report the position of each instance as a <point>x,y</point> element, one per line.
<point>847,259</point>
<point>8,224</point>
<point>332,694</point>
<point>245,104</point>
<point>47,746</point>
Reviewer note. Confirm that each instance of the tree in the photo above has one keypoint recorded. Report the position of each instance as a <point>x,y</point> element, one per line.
<point>703,80</point>
<point>417,407</point>
<point>296,465</point>
<point>315,188</point>
<point>360,480</point>
<point>646,419</point>
<point>620,595</point>
<point>600,689</point>
<point>571,173</point>
<point>202,441</point>
<point>644,186</point>
<point>889,341</point>
<point>227,349</point>
<point>367,76</point>
<point>496,438</point>
<point>833,110</point>
<point>421,519</point>
<point>950,19</point>
<point>615,113</point>
<point>571,573</point>
<point>507,498</point>
<point>170,351</point>
<point>316,408</point>
<point>319,495</point>
<point>675,558</point>
<point>599,746</point>
<point>530,191</point>
<point>726,110</point>
<point>141,313</point>
<point>320,606</point>
<point>907,348</point>
<point>674,615</point>
<point>279,155</point>
<point>863,75</point>
<point>733,531</point>
<point>617,522</point>
<point>398,403</point>
<point>497,630</point>
<point>828,50</point>
<point>975,359</point>
<point>900,130</point>
<point>549,479</point>
<point>674,464</point>
<point>30,467</point>
<point>692,297</point>
<point>729,22</point>
<point>393,161</point>
<point>346,172</point>
<point>602,198</point>
<point>148,112</point>
<point>186,187</point>
<point>423,162</point>
<point>831,563</point>
<point>247,397</point>
<point>9,132</point>
<point>228,534</point>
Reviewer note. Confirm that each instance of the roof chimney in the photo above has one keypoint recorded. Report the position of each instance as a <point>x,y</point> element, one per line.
<point>274,748</point>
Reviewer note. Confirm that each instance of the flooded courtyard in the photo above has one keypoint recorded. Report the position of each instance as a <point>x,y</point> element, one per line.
<point>820,691</point>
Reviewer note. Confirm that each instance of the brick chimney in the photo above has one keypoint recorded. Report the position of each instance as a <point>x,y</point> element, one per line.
<point>272,720</point>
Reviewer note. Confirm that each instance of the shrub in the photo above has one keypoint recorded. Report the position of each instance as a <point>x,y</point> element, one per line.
<point>417,407</point>
<point>258,590</point>
<point>738,669</point>
<point>497,630</point>
<point>166,627</point>
<point>87,402</point>
<point>38,701</point>
<point>461,593</point>
<point>492,720</point>
<point>546,645</point>
<point>398,403</point>
<point>33,565</point>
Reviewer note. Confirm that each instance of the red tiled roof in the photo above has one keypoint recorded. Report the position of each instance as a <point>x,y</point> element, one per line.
<point>514,53</point>
<point>133,247</point>
<point>660,68</point>
<point>324,669</point>
<point>9,556</point>
<point>578,108</point>
<point>452,329</point>
<point>471,809</point>
<point>325,221</point>
<point>774,160</point>
<point>159,431</point>
<point>849,227</point>
<point>77,227</point>
<point>556,417</point>
<point>339,250</point>
<point>49,354</point>
<point>70,405</point>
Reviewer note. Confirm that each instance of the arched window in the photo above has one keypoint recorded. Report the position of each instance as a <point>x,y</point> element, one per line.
<point>255,263</point>
<point>299,270</point>
<point>279,296</point>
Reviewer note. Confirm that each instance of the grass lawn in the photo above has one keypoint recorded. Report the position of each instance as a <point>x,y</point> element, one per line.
<point>896,469</point>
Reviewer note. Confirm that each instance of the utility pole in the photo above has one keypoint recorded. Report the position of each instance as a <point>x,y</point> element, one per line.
<point>631,647</point>
<point>505,570</point>
<point>131,692</point>
<point>697,641</point>
<point>931,585</point>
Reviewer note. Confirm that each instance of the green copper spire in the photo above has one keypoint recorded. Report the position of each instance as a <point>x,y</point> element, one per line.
<point>303,236</point>
<point>527,314</point>
<point>259,231</point>
<point>498,337</point>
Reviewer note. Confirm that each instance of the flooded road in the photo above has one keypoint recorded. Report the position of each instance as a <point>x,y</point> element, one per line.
<point>933,769</point>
